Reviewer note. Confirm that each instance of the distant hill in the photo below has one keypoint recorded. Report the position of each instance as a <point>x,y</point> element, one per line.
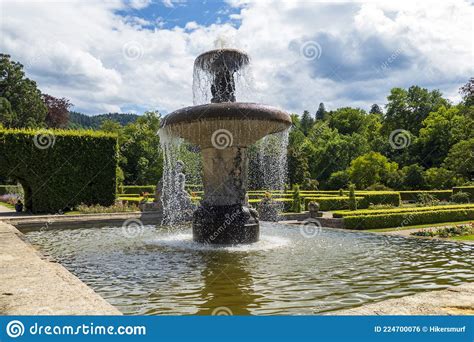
<point>79,120</point>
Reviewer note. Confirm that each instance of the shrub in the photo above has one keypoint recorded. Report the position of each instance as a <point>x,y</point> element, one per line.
<point>296,208</point>
<point>460,197</point>
<point>447,232</point>
<point>339,214</point>
<point>412,196</point>
<point>427,199</point>
<point>62,168</point>
<point>116,208</point>
<point>352,198</point>
<point>407,219</point>
<point>467,189</point>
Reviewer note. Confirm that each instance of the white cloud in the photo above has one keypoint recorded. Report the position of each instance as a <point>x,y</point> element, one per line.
<point>106,62</point>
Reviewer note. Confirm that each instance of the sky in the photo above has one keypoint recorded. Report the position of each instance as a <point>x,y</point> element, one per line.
<point>138,55</point>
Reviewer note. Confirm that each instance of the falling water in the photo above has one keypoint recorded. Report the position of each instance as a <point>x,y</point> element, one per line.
<point>272,160</point>
<point>272,163</point>
<point>203,78</point>
<point>170,183</point>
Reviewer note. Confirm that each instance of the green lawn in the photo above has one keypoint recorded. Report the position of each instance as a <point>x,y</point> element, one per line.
<point>463,238</point>
<point>7,205</point>
<point>429,225</point>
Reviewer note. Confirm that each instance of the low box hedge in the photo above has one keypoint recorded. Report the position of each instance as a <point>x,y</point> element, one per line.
<point>340,214</point>
<point>467,189</point>
<point>382,197</point>
<point>137,189</point>
<point>407,219</point>
<point>331,203</point>
<point>412,196</point>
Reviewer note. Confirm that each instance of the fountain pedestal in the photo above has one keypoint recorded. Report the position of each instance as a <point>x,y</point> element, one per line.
<point>223,217</point>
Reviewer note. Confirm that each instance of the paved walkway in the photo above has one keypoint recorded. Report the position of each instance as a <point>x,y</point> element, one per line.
<point>4,209</point>
<point>456,300</point>
<point>32,285</point>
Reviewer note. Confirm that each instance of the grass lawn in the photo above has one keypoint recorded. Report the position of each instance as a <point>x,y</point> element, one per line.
<point>9,206</point>
<point>463,238</point>
<point>420,226</point>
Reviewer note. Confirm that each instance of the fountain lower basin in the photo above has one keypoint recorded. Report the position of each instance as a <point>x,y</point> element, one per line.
<point>161,272</point>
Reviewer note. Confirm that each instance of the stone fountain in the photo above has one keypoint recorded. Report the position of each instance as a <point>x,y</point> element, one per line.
<point>223,129</point>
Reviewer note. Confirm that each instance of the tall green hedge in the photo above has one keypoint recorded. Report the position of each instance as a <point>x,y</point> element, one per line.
<point>60,169</point>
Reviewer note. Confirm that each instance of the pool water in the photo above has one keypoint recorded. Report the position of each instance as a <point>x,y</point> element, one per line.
<point>161,271</point>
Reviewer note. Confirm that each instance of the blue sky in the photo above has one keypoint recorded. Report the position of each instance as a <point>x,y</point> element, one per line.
<point>169,14</point>
<point>137,55</point>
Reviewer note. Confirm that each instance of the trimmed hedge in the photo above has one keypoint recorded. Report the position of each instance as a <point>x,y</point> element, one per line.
<point>331,203</point>
<point>341,214</point>
<point>412,196</point>
<point>407,219</point>
<point>467,189</point>
<point>138,189</point>
<point>382,197</point>
<point>60,169</point>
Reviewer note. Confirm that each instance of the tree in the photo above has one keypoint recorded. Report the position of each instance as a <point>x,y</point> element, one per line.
<point>22,94</point>
<point>406,109</point>
<point>58,111</point>
<point>348,120</point>
<point>413,177</point>
<point>321,112</point>
<point>338,180</point>
<point>7,116</point>
<point>141,159</point>
<point>440,178</point>
<point>442,129</point>
<point>460,159</point>
<point>467,92</point>
<point>370,169</point>
<point>306,122</point>
<point>375,109</point>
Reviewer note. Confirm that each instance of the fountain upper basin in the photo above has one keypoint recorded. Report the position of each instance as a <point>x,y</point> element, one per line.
<point>246,122</point>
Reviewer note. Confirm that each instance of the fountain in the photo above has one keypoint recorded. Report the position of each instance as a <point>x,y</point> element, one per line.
<point>224,129</point>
